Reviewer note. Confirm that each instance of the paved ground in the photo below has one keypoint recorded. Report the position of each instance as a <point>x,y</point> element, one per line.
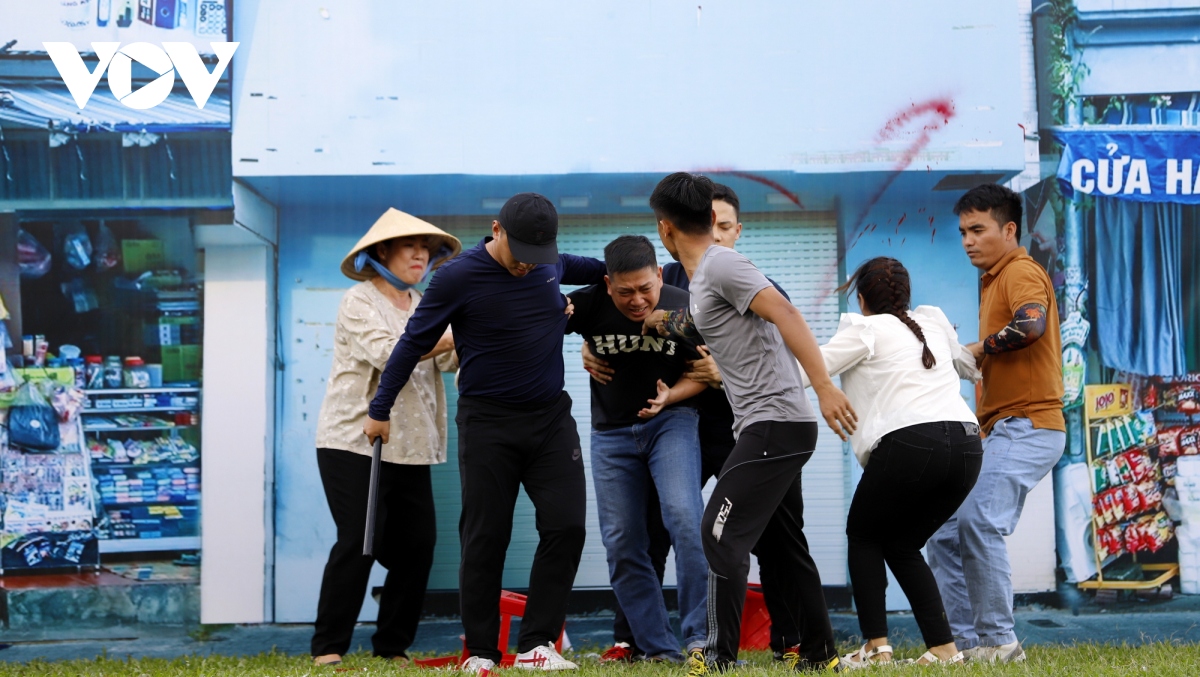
<point>1130,622</point>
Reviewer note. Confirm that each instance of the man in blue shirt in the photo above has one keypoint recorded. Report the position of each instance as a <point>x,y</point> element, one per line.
<point>502,300</point>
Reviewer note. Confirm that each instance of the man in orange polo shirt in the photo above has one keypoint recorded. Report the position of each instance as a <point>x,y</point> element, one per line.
<point>1020,354</point>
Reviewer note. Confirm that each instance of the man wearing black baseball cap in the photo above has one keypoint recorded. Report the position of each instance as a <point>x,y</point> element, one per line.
<point>503,302</point>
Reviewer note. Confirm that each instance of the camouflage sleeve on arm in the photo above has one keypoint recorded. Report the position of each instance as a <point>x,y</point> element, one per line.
<point>1027,326</point>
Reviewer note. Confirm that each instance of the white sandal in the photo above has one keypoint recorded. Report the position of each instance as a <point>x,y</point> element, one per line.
<point>862,657</point>
<point>930,659</point>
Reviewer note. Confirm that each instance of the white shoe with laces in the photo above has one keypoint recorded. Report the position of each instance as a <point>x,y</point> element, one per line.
<point>1005,653</point>
<point>478,667</point>
<point>543,658</point>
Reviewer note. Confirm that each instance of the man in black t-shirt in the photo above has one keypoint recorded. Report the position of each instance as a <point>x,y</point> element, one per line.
<point>716,443</point>
<point>644,437</point>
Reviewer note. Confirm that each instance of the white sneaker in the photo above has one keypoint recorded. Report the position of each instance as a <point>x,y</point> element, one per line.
<point>543,658</point>
<point>478,667</point>
<point>1005,653</point>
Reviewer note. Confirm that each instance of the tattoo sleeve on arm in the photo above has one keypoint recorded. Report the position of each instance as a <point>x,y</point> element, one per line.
<point>1028,325</point>
<point>679,323</point>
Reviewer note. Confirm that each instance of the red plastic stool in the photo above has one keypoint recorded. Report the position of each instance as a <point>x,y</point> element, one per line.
<point>511,605</point>
<point>756,622</point>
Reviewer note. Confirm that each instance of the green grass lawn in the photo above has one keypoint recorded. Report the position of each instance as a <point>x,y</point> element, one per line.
<point>1091,660</point>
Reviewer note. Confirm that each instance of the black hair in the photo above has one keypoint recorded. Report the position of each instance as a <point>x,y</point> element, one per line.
<point>886,290</point>
<point>1003,204</point>
<point>686,201</point>
<point>726,194</point>
<point>629,253</point>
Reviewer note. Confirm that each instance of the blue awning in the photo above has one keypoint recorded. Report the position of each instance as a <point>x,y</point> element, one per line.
<point>51,107</point>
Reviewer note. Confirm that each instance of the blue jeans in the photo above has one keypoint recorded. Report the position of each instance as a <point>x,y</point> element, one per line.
<point>968,554</point>
<point>664,450</point>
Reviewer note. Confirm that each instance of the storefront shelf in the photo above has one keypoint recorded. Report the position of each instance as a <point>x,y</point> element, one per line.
<point>1171,417</point>
<point>109,545</point>
<point>138,391</point>
<point>131,410</point>
<point>98,465</point>
<point>117,428</point>
<point>182,501</point>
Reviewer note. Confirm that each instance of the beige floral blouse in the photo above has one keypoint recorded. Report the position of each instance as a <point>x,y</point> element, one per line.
<point>368,327</point>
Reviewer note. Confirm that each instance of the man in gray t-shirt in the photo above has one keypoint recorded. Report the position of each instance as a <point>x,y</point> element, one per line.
<point>761,376</point>
<point>753,333</point>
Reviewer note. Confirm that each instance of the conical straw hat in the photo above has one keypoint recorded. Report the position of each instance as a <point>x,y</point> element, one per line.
<point>395,223</point>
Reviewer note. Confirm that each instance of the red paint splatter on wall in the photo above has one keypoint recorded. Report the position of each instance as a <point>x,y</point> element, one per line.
<point>934,114</point>
<point>795,199</point>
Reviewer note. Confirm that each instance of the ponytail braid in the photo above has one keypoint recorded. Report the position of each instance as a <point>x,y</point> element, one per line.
<point>884,284</point>
<point>927,358</point>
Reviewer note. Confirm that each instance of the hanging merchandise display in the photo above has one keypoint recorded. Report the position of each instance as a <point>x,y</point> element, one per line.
<point>33,259</point>
<point>108,251</point>
<point>1133,446</point>
<point>75,244</point>
<point>46,501</point>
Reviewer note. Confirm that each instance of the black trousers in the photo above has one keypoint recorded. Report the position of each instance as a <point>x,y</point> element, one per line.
<point>777,585</point>
<point>758,500</point>
<point>501,448</point>
<point>405,533</point>
<point>914,481</point>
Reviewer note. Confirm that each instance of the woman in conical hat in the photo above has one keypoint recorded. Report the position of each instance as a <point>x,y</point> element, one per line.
<point>397,253</point>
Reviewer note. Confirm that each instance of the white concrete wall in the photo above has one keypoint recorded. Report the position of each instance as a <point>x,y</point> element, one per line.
<point>549,87</point>
<point>1031,548</point>
<point>237,426</point>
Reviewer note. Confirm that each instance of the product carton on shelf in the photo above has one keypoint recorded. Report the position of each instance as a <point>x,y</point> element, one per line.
<point>180,363</point>
<point>142,255</point>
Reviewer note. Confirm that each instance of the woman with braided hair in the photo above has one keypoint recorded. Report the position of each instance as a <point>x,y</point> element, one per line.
<point>917,441</point>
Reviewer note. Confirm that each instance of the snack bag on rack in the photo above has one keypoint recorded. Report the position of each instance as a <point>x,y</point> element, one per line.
<point>1185,398</point>
<point>1112,541</point>
<point>1100,475</point>
<point>1105,507</point>
<point>1132,500</point>
<point>1144,421</point>
<point>1151,495</point>
<point>1100,444</point>
<point>1161,530</point>
<point>1141,467</point>
<point>1189,441</point>
<point>1120,470</point>
<point>1168,441</point>
<point>1169,470</point>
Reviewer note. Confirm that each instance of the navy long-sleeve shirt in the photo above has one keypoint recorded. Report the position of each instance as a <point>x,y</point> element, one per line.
<point>508,330</point>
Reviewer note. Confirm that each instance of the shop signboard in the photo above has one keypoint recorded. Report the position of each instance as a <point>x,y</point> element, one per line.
<point>81,22</point>
<point>1160,166</point>
<point>1107,401</point>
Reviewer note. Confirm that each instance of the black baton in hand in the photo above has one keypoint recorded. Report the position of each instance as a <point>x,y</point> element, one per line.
<point>372,499</point>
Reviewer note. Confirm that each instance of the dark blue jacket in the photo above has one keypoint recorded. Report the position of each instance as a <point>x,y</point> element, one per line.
<point>508,331</point>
